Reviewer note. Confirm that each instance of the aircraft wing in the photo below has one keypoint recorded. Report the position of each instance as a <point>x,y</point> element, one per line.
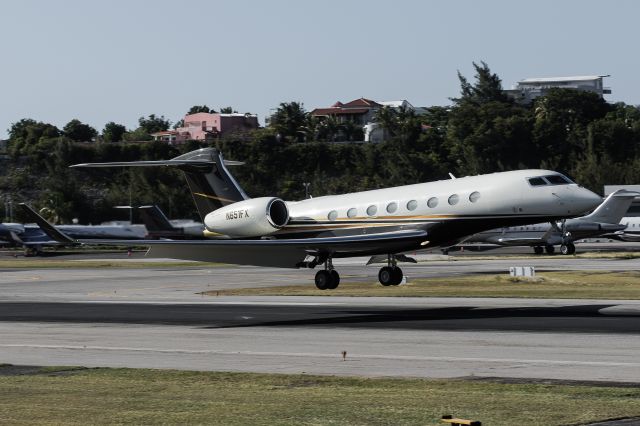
<point>282,253</point>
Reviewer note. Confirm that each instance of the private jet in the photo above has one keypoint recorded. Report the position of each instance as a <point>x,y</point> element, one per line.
<point>631,231</point>
<point>545,236</point>
<point>268,231</point>
<point>33,238</point>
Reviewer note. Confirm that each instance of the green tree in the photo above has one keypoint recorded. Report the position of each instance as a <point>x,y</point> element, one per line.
<point>153,123</point>
<point>200,108</point>
<point>113,132</point>
<point>487,87</point>
<point>291,121</point>
<point>227,110</point>
<point>79,131</point>
<point>561,123</point>
<point>387,118</point>
<point>25,134</point>
<point>139,134</point>
<point>487,131</point>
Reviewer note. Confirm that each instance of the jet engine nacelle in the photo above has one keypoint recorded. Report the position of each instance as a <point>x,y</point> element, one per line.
<point>583,226</point>
<point>250,218</point>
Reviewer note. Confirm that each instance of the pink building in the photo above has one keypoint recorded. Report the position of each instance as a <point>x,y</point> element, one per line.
<point>206,126</point>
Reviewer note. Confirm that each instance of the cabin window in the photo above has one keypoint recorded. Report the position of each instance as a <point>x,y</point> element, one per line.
<point>412,205</point>
<point>333,215</point>
<point>474,196</point>
<point>453,199</point>
<point>433,202</point>
<point>392,207</point>
<point>537,181</point>
<point>352,212</point>
<point>372,210</point>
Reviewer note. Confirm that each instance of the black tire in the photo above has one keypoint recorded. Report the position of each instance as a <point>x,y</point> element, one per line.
<point>385,276</point>
<point>397,276</point>
<point>568,249</point>
<point>550,249</point>
<point>323,280</point>
<point>538,249</point>
<point>335,279</point>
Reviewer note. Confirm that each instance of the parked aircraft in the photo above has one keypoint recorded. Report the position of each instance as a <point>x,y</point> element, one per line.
<point>32,238</point>
<point>159,226</point>
<point>603,220</point>
<point>631,232</point>
<point>268,231</point>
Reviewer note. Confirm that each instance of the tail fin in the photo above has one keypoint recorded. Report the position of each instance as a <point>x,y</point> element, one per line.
<point>51,231</point>
<point>211,184</point>
<point>154,219</point>
<point>613,208</point>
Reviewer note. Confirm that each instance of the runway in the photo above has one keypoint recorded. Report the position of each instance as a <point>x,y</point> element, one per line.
<point>156,318</point>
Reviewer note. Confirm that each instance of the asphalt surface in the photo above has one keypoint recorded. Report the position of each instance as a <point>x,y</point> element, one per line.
<point>156,317</point>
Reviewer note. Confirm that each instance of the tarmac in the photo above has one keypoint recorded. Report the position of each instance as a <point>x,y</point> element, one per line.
<point>157,318</point>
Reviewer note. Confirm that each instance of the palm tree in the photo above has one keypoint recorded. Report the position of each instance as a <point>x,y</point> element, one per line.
<point>291,120</point>
<point>387,118</point>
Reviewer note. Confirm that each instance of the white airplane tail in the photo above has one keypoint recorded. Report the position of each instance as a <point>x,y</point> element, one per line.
<point>212,185</point>
<point>613,208</point>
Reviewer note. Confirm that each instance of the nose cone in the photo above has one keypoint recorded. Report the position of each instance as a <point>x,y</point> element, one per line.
<point>585,200</point>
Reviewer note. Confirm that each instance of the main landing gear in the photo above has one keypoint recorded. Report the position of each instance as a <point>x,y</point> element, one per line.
<point>390,274</point>
<point>328,278</point>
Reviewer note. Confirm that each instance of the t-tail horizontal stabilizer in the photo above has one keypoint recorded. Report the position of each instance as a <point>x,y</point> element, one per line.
<point>51,231</point>
<point>211,184</point>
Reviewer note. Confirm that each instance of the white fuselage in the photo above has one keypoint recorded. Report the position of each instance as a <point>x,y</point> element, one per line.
<point>495,198</point>
<point>632,231</point>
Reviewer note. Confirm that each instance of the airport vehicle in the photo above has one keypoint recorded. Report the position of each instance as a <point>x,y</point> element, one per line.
<point>544,236</point>
<point>268,231</point>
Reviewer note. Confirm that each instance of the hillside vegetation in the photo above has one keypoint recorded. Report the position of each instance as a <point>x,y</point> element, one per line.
<point>482,131</point>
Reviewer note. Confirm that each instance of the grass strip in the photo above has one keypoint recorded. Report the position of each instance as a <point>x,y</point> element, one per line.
<point>556,285</point>
<point>138,396</point>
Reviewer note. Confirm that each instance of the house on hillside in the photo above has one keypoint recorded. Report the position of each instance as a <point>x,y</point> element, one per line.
<point>359,111</point>
<point>527,90</point>
<point>206,126</point>
<point>169,136</point>
<point>362,112</point>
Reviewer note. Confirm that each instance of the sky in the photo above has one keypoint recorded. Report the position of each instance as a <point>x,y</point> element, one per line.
<point>119,60</point>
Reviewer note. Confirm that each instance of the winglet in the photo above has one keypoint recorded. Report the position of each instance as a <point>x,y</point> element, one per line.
<point>48,228</point>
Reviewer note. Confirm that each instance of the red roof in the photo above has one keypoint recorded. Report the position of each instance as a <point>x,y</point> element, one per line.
<point>357,106</point>
<point>339,111</point>
<point>362,102</point>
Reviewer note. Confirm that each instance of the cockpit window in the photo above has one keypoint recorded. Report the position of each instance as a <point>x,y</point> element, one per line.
<point>537,181</point>
<point>557,180</point>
